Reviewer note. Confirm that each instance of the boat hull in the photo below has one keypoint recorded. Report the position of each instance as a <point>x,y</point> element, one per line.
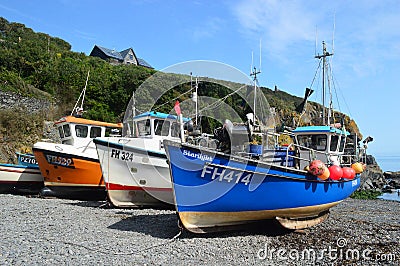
<point>20,179</point>
<point>136,173</point>
<point>70,173</point>
<point>213,190</point>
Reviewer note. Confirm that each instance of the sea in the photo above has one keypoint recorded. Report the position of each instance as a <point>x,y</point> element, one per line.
<point>389,163</point>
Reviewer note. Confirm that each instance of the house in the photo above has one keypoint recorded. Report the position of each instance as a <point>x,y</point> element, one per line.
<point>126,56</point>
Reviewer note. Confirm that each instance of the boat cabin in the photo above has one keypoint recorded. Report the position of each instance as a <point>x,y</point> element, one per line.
<point>155,124</point>
<point>79,131</point>
<point>324,143</point>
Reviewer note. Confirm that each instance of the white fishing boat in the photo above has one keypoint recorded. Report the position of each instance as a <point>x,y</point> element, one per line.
<point>135,168</point>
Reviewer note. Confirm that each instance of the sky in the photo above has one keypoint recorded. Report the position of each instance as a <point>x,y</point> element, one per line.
<point>364,36</point>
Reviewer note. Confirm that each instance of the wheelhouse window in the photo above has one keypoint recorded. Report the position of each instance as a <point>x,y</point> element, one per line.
<point>112,132</point>
<point>143,127</point>
<point>161,127</point>
<point>67,131</point>
<point>81,131</point>
<point>95,132</point>
<point>175,130</point>
<point>334,143</point>
<point>342,143</point>
<point>61,132</point>
<point>315,141</point>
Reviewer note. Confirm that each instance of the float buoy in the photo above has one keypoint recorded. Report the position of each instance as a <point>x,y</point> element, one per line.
<point>336,172</point>
<point>317,167</point>
<point>358,167</point>
<point>348,173</point>
<point>325,175</point>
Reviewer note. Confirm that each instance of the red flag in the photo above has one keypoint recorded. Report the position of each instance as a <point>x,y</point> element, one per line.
<point>177,108</point>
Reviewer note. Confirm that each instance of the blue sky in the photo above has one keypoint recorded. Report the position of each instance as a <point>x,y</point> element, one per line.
<point>366,63</point>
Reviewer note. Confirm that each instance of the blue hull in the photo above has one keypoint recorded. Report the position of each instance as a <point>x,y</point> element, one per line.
<point>213,189</point>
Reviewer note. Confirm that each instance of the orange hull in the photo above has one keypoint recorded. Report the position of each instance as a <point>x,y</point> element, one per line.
<point>66,174</point>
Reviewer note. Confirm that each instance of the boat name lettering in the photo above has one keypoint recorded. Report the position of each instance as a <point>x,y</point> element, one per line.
<point>59,160</point>
<point>226,175</point>
<point>354,182</point>
<point>199,156</point>
<point>26,159</point>
<point>122,155</point>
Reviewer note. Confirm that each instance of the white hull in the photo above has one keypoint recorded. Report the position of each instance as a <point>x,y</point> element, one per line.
<point>135,171</point>
<point>15,178</point>
<point>87,151</point>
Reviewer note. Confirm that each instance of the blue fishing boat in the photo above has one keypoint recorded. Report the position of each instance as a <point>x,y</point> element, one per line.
<point>296,184</point>
<point>214,190</point>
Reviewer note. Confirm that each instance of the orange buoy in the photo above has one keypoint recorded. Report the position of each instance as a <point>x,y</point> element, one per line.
<point>348,173</point>
<point>336,172</point>
<point>358,167</point>
<point>325,175</point>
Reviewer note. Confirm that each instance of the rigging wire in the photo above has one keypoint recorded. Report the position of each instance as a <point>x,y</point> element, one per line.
<point>174,99</point>
<point>220,101</point>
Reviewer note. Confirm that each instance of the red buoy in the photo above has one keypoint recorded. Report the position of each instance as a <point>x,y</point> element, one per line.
<point>348,173</point>
<point>336,172</point>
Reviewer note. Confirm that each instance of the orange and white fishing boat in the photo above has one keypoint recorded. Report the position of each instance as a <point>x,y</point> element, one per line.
<point>71,169</point>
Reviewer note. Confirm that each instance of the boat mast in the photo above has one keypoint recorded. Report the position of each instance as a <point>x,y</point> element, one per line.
<point>79,111</point>
<point>254,74</point>
<point>325,54</point>
<point>133,113</point>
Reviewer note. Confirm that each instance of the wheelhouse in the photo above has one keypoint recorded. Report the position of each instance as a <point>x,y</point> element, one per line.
<point>155,124</point>
<point>324,143</point>
<point>79,131</point>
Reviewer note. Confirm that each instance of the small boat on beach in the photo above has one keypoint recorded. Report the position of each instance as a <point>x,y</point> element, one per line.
<point>248,180</point>
<point>21,178</point>
<point>71,168</point>
<point>135,168</point>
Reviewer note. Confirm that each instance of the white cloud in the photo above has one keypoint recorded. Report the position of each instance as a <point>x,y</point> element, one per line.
<point>367,31</point>
<point>84,35</point>
<point>279,23</point>
<point>211,27</point>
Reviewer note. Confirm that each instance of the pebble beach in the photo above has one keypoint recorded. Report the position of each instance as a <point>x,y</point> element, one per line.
<point>37,231</point>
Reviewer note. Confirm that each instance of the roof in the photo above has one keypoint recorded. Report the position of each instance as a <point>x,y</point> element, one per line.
<point>125,52</point>
<point>142,62</point>
<point>111,53</point>
<point>122,54</point>
<point>316,129</point>
<point>78,120</point>
<point>160,115</point>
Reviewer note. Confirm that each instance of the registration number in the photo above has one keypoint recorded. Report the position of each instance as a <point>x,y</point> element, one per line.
<point>226,175</point>
<point>60,160</point>
<point>29,160</point>
<point>122,155</point>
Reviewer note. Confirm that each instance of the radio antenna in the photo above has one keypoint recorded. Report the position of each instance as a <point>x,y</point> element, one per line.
<point>252,59</point>
<point>260,54</point>
<point>333,33</point>
<point>316,40</point>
